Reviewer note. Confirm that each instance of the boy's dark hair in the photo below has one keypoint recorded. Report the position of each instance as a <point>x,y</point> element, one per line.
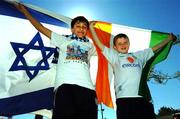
<point>121,35</point>
<point>79,19</point>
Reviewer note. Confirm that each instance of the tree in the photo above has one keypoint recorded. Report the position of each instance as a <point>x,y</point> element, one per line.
<point>163,111</point>
<point>161,77</point>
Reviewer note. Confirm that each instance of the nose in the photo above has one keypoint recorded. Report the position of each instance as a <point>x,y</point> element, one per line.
<point>81,28</point>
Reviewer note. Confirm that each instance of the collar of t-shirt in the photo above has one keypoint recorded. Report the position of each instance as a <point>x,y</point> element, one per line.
<point>74,37</point>
<point>123,55</point>
<point>127,55</point>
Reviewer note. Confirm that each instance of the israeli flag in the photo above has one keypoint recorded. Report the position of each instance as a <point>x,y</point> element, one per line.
<point>27,60</point>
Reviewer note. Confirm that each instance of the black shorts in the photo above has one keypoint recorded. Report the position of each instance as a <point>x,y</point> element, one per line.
<point>134,108</point>
<point>74,102</point>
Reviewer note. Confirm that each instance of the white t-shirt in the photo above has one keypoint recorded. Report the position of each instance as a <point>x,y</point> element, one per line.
<point>127,70</point>
<point>73,61</point>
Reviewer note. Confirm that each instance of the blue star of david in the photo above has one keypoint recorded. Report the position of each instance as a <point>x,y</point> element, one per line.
<point>26,48</point>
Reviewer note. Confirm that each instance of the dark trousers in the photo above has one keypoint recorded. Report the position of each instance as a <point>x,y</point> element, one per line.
<point>74,102</point>
<point>134,108</point>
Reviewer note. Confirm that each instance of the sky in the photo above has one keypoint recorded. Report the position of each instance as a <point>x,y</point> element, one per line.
<point>158,15</point>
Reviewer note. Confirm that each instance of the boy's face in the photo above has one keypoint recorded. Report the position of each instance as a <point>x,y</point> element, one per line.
<point>122,45</point>
<point>80,29</point>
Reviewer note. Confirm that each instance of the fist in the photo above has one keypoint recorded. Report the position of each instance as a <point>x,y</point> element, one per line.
<point>172,37</point>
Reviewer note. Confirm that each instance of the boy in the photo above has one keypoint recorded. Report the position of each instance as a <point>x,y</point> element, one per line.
<point>127,72</point>
<point>75,95</point>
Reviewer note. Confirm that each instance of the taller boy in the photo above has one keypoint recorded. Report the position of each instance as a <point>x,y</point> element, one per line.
<point>75,94</point>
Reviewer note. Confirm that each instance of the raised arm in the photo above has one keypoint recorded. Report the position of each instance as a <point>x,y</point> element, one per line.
<point>96,39</point>
<point>33,21</point>
<point>171,37</point>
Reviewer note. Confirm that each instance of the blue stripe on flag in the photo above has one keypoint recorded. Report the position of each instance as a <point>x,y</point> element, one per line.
<point>25,103</point>
<point>9,10</point>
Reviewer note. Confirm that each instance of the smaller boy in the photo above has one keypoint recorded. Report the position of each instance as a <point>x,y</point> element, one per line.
<point>75,94</point>
<point>127,74</point>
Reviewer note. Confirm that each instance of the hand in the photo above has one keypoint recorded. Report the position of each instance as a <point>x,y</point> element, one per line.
<point>172,37</point>
<point>20,7</point>
<point>92,23</point>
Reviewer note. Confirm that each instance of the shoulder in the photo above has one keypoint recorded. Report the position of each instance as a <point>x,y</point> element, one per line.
<point>55,36</point>
<point>109,51</point>
<point>143,51</point>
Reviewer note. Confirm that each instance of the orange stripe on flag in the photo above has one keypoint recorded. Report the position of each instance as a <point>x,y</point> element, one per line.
<point>103,31</point>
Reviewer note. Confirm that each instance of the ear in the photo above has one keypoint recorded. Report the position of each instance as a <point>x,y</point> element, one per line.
<point>114,47</point>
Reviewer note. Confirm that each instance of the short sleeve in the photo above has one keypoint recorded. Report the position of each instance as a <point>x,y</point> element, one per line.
<point>59,40</point>
<point>145,55</point>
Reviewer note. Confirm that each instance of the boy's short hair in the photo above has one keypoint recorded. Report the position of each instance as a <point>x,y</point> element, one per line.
<point>120,35</point>
<point>79,19</point>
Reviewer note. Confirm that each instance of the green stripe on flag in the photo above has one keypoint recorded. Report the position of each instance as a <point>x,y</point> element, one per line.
<point>156,38</point>
<point>160,55</point>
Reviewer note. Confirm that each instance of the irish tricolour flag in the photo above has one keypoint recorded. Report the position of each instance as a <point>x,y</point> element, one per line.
<point>139,39</point>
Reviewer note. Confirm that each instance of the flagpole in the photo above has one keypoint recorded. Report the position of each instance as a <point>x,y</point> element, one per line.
<point>102,110</point>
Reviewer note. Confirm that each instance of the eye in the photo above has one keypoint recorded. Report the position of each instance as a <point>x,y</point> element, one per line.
<point>84,27</point>
<point>77,26</point>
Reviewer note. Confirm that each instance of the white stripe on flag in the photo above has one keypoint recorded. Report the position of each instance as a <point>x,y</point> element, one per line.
<point>139,38</point>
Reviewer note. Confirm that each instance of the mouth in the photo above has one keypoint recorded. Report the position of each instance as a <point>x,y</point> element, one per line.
<point>123,48</point>
<point>80,34</point>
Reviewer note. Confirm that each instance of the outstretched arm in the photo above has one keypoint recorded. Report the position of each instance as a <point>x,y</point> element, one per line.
<point>171,37</point>
<point>33,21</point>
<point>96,39</point>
